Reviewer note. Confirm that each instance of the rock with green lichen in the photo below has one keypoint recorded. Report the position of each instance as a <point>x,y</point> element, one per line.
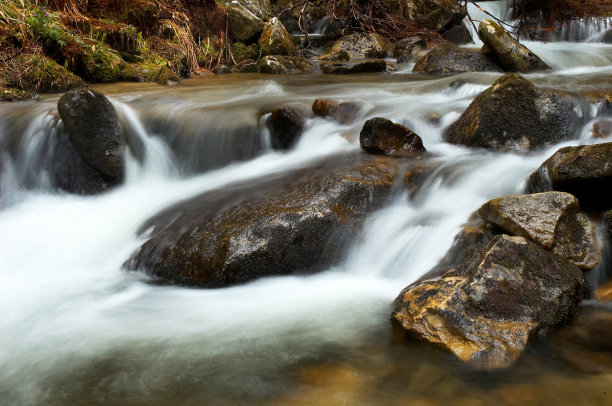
<point>511,54</point>
<point>486,316</point>
<point>12,94</point>
<point>275,40</point>
<point>513,114</point>
<point>449,58</point>
<point>584,171</point>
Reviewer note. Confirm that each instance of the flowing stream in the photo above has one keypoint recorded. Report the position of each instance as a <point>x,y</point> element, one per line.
<point>76,328</point>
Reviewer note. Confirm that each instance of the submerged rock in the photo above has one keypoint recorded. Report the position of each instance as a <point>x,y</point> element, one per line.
<point>382,136</point>
<point>449,58</point>
<point>513,56</point>
<point>91,122</point>
<point>285,127</point>
<point>584,171</point>
<point>553,220</point>
<point>486,317</point>
<point>513,114</point>
<point>280,64</point>
<point>361,66</point>
<point>296,222</point>
<point>275,40</point>
<point>344,113</point>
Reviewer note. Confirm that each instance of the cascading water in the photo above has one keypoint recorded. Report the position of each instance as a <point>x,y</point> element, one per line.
<point>76,328</point>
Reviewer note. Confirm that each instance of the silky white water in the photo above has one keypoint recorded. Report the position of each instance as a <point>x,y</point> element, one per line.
<point>76,328</point>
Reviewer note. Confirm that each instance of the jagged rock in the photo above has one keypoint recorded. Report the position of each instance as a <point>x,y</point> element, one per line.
<point>360,66</point>
<point>552,220</point>
<point>92,124</point>
<point>296,222</point>
<point>275,40</point>
<point>434,14</point>
<point>584,171</point>
<point>382,136</point>
<point>279,64</point>
<point>486,317</point>
<point>344,113</point>
<point>361,45</point>
<point>457,34</point>
<point>513,114</point>
<point>514,56</point>
<point>449,58</point>
<point>244,22</point>
<point>285,126</point>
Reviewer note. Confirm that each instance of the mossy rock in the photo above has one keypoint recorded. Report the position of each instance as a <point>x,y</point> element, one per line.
<point>99,64</point>
<point>40,74</point>
<point>12,94</point>
<point>166,76</point>
<point>243,52</point>
<point>449,58</point>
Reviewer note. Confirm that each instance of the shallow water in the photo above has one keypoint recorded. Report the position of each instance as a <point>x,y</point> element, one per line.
<point>76,328</point>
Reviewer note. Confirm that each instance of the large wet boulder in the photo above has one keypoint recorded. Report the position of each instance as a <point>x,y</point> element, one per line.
<point>457,33</point>
<point>275,40</point>
<point>584,171</point>
<point>433,14</point>
<point>295,222</point>
<point>359,66</point>
<point>513,114</point>
<point>290,11</point>
<point>245,20</point>
<point>449,58</point>
<point>511,54</point>
<point>361,45</point>
<point>285,126</point>
<point>409,48</point>
<point>552,220</point>
<point>92,124</point>
<point>281,64</point>
<point>382,136</point>
<point>486,317</point>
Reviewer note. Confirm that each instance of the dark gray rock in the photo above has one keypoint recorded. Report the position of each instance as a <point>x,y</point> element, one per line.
<point>357,66</point>
<point>92,124</point>
<point>285,126</point>
<point>449,58</point>
<point>382,136</point>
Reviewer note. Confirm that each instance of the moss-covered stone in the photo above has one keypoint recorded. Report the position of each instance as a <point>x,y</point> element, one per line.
<point>99,64</point>
<point>166,76</point>
<point>12,94</point>
<point>38,73</point>
<point>275,40</point>
<point>449,58</point>
<point>243,52</point>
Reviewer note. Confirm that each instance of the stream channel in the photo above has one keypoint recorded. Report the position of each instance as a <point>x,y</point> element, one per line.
<point>78,329</point>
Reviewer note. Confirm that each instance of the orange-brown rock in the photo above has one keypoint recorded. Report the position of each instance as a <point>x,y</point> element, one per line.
<point>604,292</point>
<point>487,316</point>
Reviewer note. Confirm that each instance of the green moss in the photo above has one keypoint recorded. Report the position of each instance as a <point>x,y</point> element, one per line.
<point>99,64</point>
<point>13,94</point>
<point>166,76</point>
<point>243,52</point>
<point>41,74</point>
